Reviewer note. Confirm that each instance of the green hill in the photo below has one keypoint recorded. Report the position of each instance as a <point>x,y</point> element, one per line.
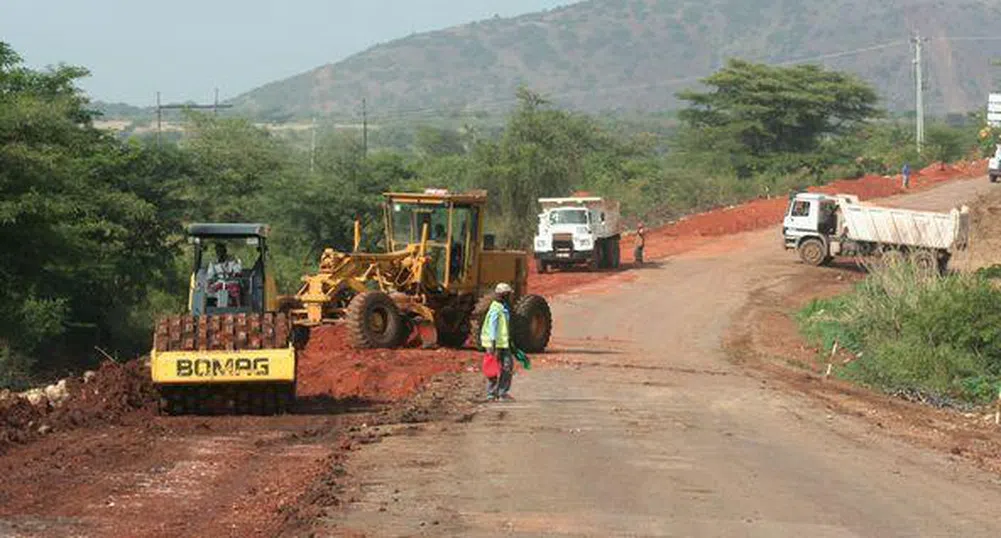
<point>635,54</point>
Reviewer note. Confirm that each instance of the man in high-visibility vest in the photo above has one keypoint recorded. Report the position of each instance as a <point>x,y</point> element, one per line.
<point>495,337</point>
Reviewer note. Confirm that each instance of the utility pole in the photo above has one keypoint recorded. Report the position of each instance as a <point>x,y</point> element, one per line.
<point>186,106</point>
<point>364,127</point>
<point>159,120</point>
<point>312,147</point>
<point>919,90</point>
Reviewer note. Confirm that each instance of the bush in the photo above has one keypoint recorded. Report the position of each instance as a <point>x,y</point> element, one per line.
<point>939,335</point>
<point>15,369</point>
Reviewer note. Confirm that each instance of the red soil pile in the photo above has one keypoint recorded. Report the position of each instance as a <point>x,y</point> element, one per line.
<point>330,367</point>
<point>116,391</point>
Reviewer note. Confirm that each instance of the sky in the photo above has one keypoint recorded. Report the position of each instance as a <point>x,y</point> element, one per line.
<point>187,48</point>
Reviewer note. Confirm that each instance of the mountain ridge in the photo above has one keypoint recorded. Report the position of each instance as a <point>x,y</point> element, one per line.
<point>635,54</point>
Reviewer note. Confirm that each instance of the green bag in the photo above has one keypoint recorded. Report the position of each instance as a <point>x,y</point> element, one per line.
<point>523,359</point>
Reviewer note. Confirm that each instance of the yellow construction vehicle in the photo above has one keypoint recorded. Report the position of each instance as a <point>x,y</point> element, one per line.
<point>435,276</point>
<point>231,350</point>
<point>235,348</point>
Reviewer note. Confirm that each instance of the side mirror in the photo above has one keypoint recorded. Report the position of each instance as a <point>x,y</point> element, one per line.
<point>488,241</point>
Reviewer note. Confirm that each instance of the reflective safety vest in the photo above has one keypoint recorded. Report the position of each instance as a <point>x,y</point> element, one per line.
<point>495,326</point>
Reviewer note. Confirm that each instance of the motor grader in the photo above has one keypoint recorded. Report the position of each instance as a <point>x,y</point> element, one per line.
<point>433,279</point>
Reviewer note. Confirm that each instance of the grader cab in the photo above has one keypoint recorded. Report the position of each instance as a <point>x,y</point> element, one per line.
<point>435,278</point>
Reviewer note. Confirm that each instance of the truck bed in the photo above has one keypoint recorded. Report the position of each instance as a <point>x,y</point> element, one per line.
<point>923,229</point>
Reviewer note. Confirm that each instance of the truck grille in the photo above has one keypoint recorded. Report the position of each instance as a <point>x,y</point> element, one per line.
<point>563,241</point>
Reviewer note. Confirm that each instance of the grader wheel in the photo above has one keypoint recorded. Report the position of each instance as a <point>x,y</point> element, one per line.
<point>374,321</point>
<point>531,324</point>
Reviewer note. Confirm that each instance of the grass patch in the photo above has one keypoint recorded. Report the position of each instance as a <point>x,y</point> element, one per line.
<point>915,332</point>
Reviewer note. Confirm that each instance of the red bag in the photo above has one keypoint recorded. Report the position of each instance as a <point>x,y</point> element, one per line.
<point>491,366</point>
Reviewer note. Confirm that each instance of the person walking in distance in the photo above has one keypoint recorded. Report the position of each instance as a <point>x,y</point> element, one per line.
<point>495,338</point>
<point>905,174</point>
<point>640,243</point>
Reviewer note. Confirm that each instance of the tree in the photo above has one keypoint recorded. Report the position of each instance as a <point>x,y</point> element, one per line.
<point>84,218</point>
<point>943,144</point>
<point>434,142</point>
<point>541,153</point>
<point>236,163</point>
<point>759,115</point>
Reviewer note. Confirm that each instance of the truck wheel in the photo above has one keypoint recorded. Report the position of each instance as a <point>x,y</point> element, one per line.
<point>374,321</point>
<point>925,261</point>
<point>540,267</point>
<point>993,178</point>
<point>812,252</point>
<point>943,264</point>
<point>531,324</point>
<point>616,254</point>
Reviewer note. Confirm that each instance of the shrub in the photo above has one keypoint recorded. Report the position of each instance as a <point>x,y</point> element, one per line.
<point>940,335</point>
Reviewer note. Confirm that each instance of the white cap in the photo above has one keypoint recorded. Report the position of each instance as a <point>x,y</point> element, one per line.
<point>503,287</point>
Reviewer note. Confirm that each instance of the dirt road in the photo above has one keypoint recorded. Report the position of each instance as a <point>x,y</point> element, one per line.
<point>639,423</point>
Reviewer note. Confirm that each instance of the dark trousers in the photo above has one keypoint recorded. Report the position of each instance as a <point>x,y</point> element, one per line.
<point>500,385</point>
<point>638,254</point>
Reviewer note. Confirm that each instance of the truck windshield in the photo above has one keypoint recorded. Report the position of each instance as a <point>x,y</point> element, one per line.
<point>568,216</point>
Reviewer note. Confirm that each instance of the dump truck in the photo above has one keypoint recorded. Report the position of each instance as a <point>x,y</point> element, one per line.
<point>433,278</point>
<point>820,227</point>
<point>577,231</point>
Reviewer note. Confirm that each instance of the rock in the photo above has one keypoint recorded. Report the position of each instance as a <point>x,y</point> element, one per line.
<point>44,429</point>
<point>89,376</point>
<point>35,397</point>
<point>5,394</point>
<point>57,394</point>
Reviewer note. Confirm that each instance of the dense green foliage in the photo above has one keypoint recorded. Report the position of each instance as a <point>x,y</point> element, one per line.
<point>92,225</point>
<point>940,336</point>
<point>84,219</point>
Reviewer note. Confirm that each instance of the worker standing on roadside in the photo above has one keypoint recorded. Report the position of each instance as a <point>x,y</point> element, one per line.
<point>495,338</point>
<point>640,243</point>
<point>906,175</point>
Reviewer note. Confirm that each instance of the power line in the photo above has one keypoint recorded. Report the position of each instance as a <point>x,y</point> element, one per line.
<point>843,53</point>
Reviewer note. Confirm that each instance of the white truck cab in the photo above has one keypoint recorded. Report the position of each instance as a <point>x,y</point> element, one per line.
<point>994,165</point>
<point>577,231</point>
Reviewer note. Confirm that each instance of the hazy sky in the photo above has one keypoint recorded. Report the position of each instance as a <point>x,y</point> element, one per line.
<point>185,48</point>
